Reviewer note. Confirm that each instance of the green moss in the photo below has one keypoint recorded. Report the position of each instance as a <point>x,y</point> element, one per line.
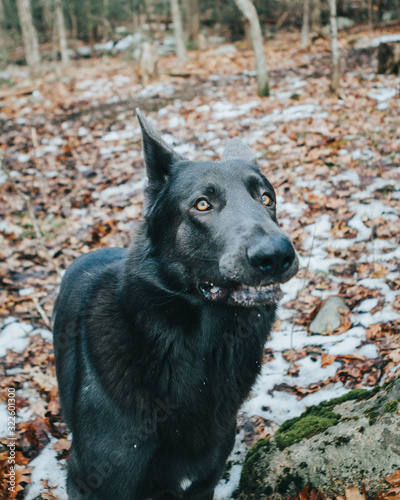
<point>305,427</point>
<point>317,419</point>
<point>387,386</point>
<point>250,482</point>
<point>354,395</point>
<point>372,413</point>
<point>390,406</point>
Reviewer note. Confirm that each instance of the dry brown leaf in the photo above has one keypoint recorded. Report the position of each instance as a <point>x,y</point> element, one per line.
<point>46,381</point>
<point>379,271</point>
<point>394,480</point>
<point>327,359</point>
<point>354,494</point>
<point>62,445</point>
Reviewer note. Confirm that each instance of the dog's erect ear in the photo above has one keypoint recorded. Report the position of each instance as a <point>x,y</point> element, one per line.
<point>158,155</point>
<point>237,150</point>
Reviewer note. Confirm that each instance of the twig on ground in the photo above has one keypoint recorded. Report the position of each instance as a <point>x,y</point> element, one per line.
<point>41,311</point>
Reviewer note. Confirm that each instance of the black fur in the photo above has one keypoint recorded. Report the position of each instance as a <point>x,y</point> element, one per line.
<point>153,366</point>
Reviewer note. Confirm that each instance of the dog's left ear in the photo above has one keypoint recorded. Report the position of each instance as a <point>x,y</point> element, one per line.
<point>237,150</point>
<point>158,155</point>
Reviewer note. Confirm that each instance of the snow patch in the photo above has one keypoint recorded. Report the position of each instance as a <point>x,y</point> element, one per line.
<point>225,109</point>
<point>225,488</point>
<point>375,42</point>
<point>349,175</point>
<point>298,112</point>
<point>47,468</point>
<point>122,191</point>
<point>382,94</point>
<point>14,337</point>
<point>369,351</point>
<point>366,305</point>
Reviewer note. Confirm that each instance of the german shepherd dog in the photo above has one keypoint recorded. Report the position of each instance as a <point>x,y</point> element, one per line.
<point>157,346</point>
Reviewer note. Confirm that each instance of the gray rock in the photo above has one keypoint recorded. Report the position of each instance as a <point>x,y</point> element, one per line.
<point>128,42</point>
<point>84,51</point>
<point>353,443</point>
<point>104,47</point>
<point>343,23</point>
<point>328,317</point>
<point>215,40</point>
<point>226,49</point>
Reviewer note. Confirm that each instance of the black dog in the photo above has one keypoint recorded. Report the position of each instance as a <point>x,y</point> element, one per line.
<point>158,346</point>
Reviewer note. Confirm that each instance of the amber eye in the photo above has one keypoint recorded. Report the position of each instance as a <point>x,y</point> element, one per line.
<point>266,199</point>
<point>202,205</point>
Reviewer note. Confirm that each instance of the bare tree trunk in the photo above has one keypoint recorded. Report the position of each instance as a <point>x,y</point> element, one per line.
<point>54,40</point>
<point>370,24</point>
<point>192,19</point>
<point>335,82</point>
<point>106,23</point>
<point>30,37</point>
<point>89,22</point>
<point>247,35</point>
<point>179,36</point>
<point>305,30</point>
<point>316,15</point>
<point>4,39</point>
<point>249,11</point>
<point>74,22</point>
<point>60,22</point>
<point>48,17</point>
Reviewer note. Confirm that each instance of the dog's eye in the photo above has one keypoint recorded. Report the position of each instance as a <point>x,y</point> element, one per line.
<point>266,199</point>
<point>202,205</point>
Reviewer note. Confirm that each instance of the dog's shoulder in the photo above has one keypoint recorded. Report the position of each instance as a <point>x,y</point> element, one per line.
<point>94,262</point>
<point>81,277</point>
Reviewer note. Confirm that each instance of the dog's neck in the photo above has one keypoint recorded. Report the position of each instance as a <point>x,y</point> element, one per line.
<point>150,276</point>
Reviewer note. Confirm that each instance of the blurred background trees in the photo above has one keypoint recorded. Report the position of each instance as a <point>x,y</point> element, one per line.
<point>72,29</point>
<point>92,21</point>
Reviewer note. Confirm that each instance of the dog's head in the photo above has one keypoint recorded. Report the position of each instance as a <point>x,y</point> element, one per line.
<point>214,224</point>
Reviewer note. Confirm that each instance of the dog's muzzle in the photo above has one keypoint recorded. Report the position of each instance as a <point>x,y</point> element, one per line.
<point>243,295</point>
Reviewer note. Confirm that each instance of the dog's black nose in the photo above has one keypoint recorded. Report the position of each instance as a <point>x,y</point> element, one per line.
<point>271,255</point>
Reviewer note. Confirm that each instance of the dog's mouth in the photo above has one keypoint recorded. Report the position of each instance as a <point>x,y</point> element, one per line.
<point>243,295</point>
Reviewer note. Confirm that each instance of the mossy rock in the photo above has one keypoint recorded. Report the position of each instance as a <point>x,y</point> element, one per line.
<point>349,441</point>
<point>317,419</point>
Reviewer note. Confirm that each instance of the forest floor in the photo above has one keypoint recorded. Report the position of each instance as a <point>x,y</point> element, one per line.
<point>71,155</point>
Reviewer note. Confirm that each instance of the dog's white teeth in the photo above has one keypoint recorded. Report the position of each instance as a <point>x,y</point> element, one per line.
<point>261,288</point>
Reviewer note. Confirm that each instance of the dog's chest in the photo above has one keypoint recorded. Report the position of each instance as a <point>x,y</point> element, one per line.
<point>209,383</point>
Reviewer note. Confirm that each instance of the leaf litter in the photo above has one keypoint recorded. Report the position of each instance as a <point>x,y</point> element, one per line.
<point>72,147</point>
